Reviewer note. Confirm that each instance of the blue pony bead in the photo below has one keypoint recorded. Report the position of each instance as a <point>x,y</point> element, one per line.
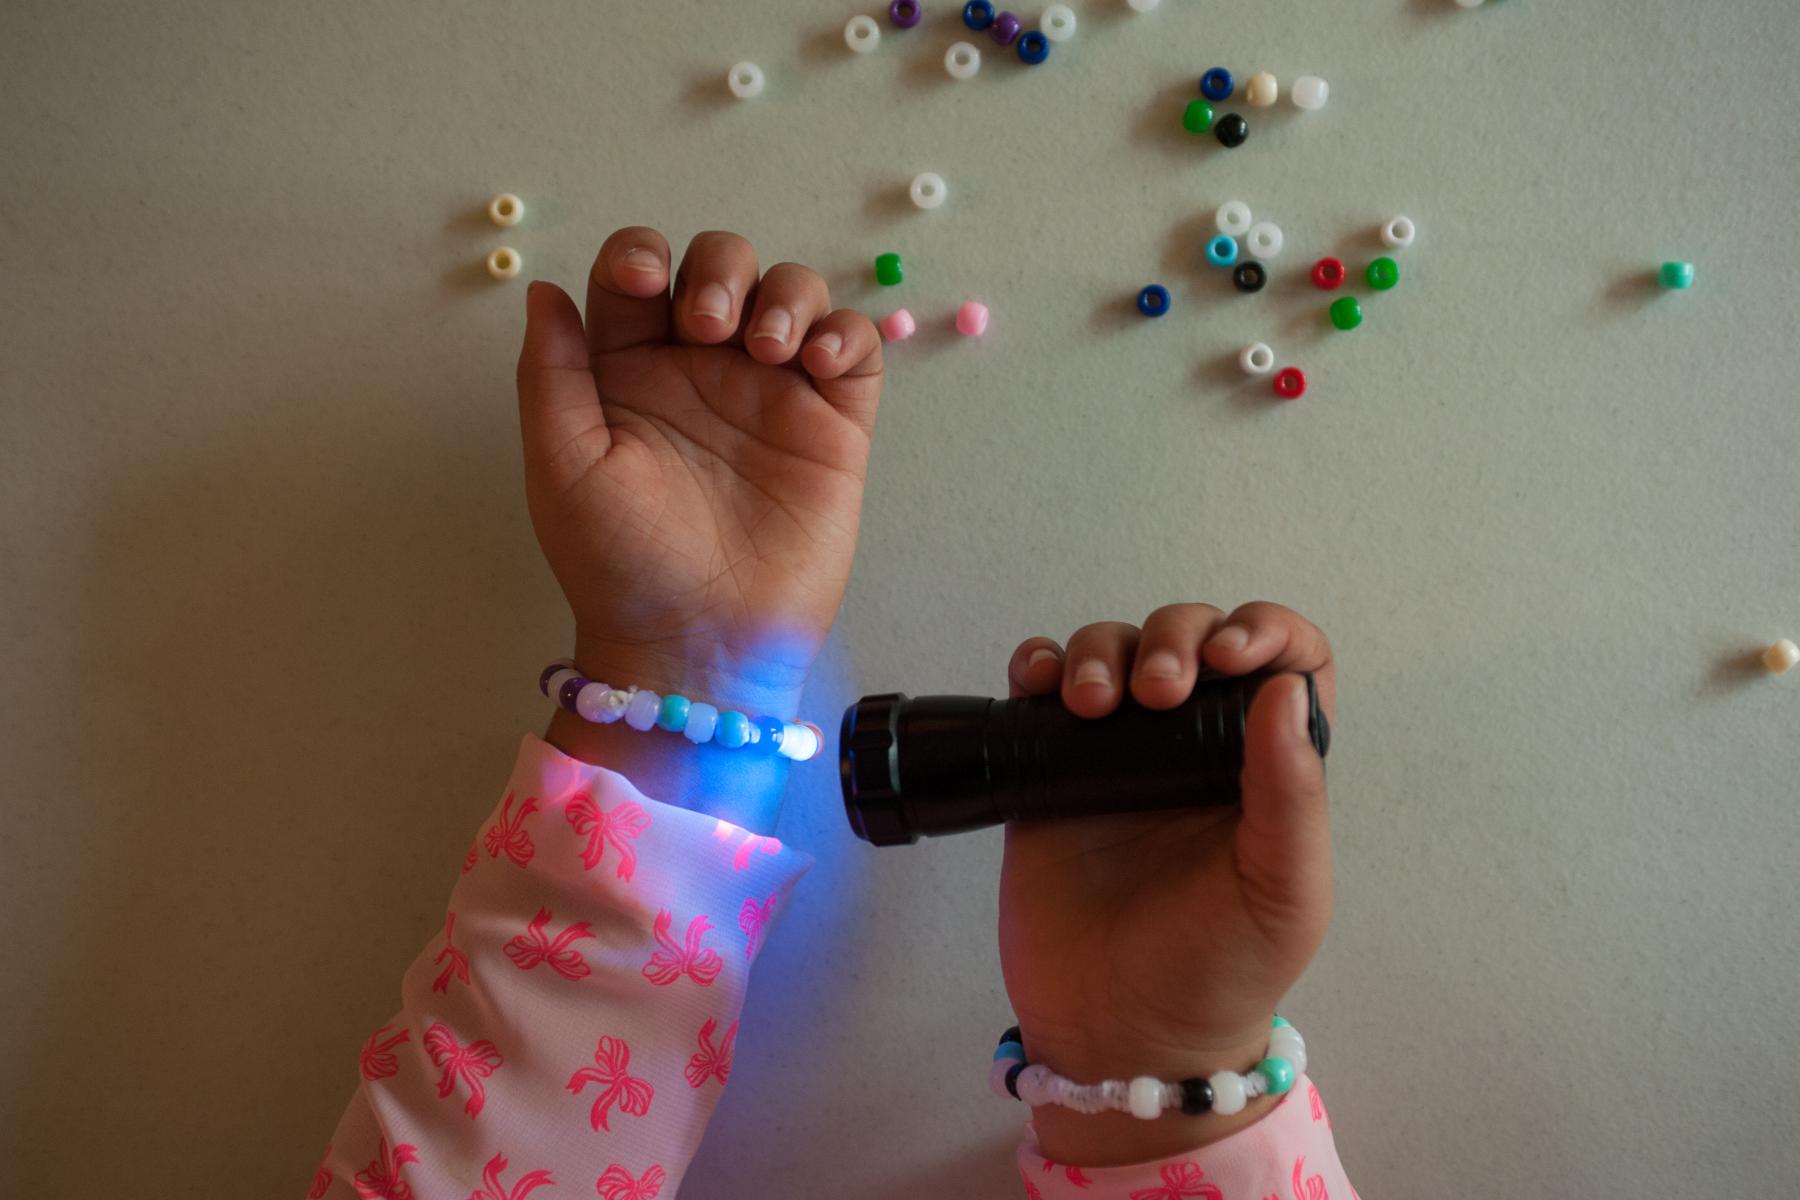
<point>1153,301</point>
<point>1034,48</point>
<point>978,14</point>
<point>1216,84</point>
<point>733,730</point>
<point>769,731</point>
<point>1222,251</point>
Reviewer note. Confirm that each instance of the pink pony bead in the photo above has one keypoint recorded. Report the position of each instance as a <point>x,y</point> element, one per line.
<point>898,325</point>
<point>971,319</point>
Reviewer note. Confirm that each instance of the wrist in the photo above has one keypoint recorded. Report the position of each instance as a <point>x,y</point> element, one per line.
<point>1117,1138</point>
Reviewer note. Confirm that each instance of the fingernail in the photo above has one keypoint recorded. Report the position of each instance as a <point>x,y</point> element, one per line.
<point>1302,714</point>
<point>1232,637</point>
<point>830,343</point>
<point>776,325</point>
<point>712,301</point>
<point>1041,654</point>
<point>1162,665</point>
<point>1093,671</point>
<point>639,259</point>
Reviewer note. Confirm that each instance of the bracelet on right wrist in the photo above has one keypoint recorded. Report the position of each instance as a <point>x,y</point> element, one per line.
<point>1145,1097</point>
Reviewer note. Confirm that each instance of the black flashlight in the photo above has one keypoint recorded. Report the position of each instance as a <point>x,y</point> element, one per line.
<point>931,765</point>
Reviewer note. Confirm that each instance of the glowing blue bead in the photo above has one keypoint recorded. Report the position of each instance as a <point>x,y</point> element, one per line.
<point>1222,251</point>
<point>1011,1051</point>
<point>674,714</point>
<point>769,731</point>
<point>733,730</point>
<point>1278,1072</point>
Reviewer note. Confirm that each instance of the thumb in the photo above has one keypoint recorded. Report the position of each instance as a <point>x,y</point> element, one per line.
<point>558,403</point>
<point>1284,837</point>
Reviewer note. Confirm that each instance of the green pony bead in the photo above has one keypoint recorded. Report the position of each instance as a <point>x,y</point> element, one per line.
<point>1278,1073</point>
<point>1280,1022</point>
<point>1346,313</point>
<point>733,730</point>
<point>887,270</point>
<point>1198,118</point>
<point>674,713</point>
<point>1677,275</point>
<point>1384,273</point>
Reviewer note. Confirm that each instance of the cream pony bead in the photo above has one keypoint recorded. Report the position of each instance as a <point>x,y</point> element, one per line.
<point>1058,23</point>
<point>1228,1093</point>
<point>862,34</point>
<point>1398,233</point>
<point>1143,5</point>
<point>1234,218</point>
<point>928,190</point>
<point>1310,92</point>
<point>1262,90</point>
<point>1145,1097</point>
<point>746,81</point>
<point>504,263</point>
<point>962,60</point>
<point>505,209</point>
<point>1257,359</point>
<point>1264,239</point>
<point>1782,657</point>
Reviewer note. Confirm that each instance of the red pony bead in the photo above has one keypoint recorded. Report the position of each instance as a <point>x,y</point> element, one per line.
<point>1328,274</point>
<point>1290,384</point>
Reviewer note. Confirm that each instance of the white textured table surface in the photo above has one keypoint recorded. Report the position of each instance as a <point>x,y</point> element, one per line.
<point>263,506</point>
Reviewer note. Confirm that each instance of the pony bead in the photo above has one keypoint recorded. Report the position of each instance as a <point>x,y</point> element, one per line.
<point>898,325</point>
<point>1153,301</point>
<point>962,60</point>
<point>862,34</point>
<point>972,319</point>
<point>505,209</point>
<point>504,263</point>
<point>978,15</point>
<point>905,13</point>
<point>745,81</point>
<point>1310,93</point>
<point>1058,23</point>
<point>1233,218</point>
<point>1257,359</point>
<point>1222,251</point>
<point>1398,233</point>
<point>928,190</point>
<point>1264,239</point>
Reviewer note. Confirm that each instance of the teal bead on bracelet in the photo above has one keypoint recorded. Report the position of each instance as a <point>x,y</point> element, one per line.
<point>1012,1051</point>
<point>733,731</point>
<point>674,713</point>
<point>1280,1022</point>
<point>1278,1073</point>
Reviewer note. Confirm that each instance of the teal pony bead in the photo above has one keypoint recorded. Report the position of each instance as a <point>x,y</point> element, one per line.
<point>1677,275</point>
<point>1280,1022</point>
<point>1011,1051</point>
<point>1278,1073</point>
<point>734,730</point>
<point>674,713</point>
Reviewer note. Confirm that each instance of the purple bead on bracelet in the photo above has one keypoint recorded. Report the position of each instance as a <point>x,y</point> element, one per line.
<point>905,13</point>
<point>1005,29</point>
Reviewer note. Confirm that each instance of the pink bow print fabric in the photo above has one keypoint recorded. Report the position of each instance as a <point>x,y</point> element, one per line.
<point>1288,1155</point>
<point>571,1027</point>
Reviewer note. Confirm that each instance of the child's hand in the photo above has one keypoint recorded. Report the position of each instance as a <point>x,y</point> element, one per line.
<point>1160,943</point>
<point>694,467</point>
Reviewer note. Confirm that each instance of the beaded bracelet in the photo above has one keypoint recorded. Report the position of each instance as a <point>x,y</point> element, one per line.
<point>1225,1092</point>
<point>603,704</point>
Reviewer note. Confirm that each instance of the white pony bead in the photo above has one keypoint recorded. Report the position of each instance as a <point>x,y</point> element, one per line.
<point>928,190</point>
<point>1034,1084</point>
<point>1262,90</point>
<point>800,742</point>
<point>1264,239</point>
<point>505,209</point>
<point>1146,1097</point>
<point>1228,1093</point>
<point>962,60</point>
<point>1398,233</point>
<point>745,81</point>
<point>997,1077</point>
<point>1234,218</point>
<point>1058,23</point>
<point>1257,359</point>
<point>642,712</point>
<point>1310,92</point>
<point>862,34</point>
<point>1782,657</point>
<point>504,263</point>
<point>702,719</point>
<point>590,703</point>
<point>554,685</point>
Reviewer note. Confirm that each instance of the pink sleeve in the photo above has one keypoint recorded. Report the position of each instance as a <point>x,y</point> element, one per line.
<point>572,1024</point>
<point>1288,1155</point>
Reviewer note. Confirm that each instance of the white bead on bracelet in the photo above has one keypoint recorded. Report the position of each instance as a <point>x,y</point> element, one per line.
<point>641,709</point>
<point>1224,1092</point>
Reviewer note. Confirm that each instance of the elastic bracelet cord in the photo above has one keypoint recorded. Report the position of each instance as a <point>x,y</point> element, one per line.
<point>604,704</point>
<point>1224,1092</point>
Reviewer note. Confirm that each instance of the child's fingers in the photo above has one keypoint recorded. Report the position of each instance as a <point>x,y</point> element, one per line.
<point>557,401</point>
<point>1284,838</point>
<point>1099,663</point>
<point>1036,668</point>
<point>717,275</point>
<point>1261,634</point>
<point>1168,653</point>
<point>788,300</point>
<point>628,291</point>
<point>842,353</point>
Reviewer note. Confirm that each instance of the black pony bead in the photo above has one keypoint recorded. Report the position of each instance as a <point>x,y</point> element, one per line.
<point>1196,1096</point>
<point>1250,276</point>
<point>1012,1035</point>
<point>565,696</point>
<point>1012,1079</point>
<point>1232,131</point>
